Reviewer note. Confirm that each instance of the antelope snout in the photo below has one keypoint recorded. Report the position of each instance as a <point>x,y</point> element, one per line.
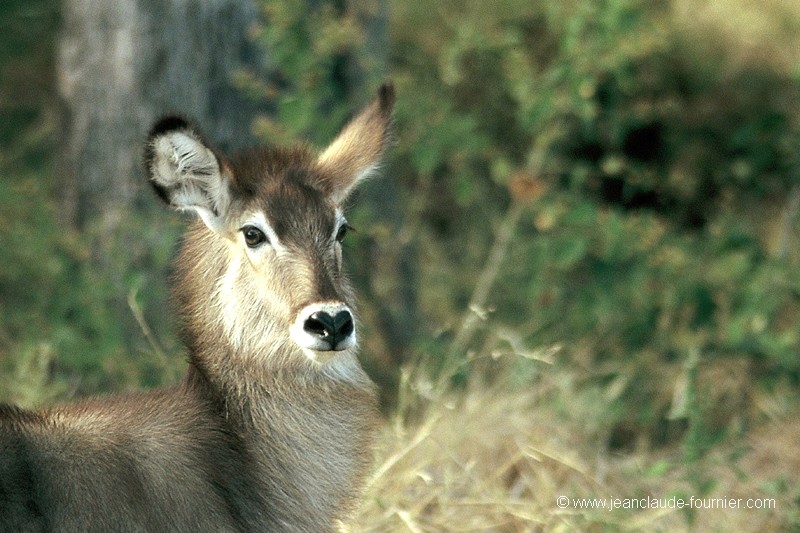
<point>325,327</point>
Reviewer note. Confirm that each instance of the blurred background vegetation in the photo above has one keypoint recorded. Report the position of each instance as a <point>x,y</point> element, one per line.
<point>598,197</point>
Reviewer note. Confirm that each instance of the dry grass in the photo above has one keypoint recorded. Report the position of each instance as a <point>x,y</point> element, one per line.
<point>496,458</point>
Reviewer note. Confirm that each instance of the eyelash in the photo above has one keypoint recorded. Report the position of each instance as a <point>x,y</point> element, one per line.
<point>343,230</point>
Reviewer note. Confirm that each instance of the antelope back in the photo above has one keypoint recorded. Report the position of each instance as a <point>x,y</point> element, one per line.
<point>262,274</point>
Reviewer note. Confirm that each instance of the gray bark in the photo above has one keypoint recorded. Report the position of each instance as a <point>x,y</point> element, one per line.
<point>121,64</point>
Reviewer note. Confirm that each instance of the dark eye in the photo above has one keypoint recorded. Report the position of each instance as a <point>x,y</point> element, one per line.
<point>342,233</point>
<point>253,236</point>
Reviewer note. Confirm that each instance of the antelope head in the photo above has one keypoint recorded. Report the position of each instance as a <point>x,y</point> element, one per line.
<point>263,272</point>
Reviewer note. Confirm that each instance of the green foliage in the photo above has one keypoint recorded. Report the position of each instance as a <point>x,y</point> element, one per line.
<point>310,52</point>
<point>56,335</point>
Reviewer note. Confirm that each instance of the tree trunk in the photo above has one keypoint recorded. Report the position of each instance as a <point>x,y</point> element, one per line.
<point>122,64</point>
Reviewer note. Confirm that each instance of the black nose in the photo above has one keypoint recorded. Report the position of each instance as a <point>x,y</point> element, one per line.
<point>331,329</point>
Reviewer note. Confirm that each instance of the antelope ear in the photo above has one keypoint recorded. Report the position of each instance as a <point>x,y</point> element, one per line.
<point>185,172</point>
<point>356,152</point>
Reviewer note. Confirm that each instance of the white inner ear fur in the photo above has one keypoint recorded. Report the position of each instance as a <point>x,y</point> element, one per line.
<point>359,167</point>
<point>355,153</point>
<point>191,175</point>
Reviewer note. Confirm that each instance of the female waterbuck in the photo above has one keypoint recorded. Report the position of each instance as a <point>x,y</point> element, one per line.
<point>270,430</point>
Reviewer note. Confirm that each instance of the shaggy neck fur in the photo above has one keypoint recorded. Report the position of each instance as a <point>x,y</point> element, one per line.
<point>305,425</point>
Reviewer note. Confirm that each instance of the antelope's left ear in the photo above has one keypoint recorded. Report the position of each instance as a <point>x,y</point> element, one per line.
<point>356,152</point>
<point>186,173</point>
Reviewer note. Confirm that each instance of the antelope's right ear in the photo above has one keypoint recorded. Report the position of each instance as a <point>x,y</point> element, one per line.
<point>185,172</point>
